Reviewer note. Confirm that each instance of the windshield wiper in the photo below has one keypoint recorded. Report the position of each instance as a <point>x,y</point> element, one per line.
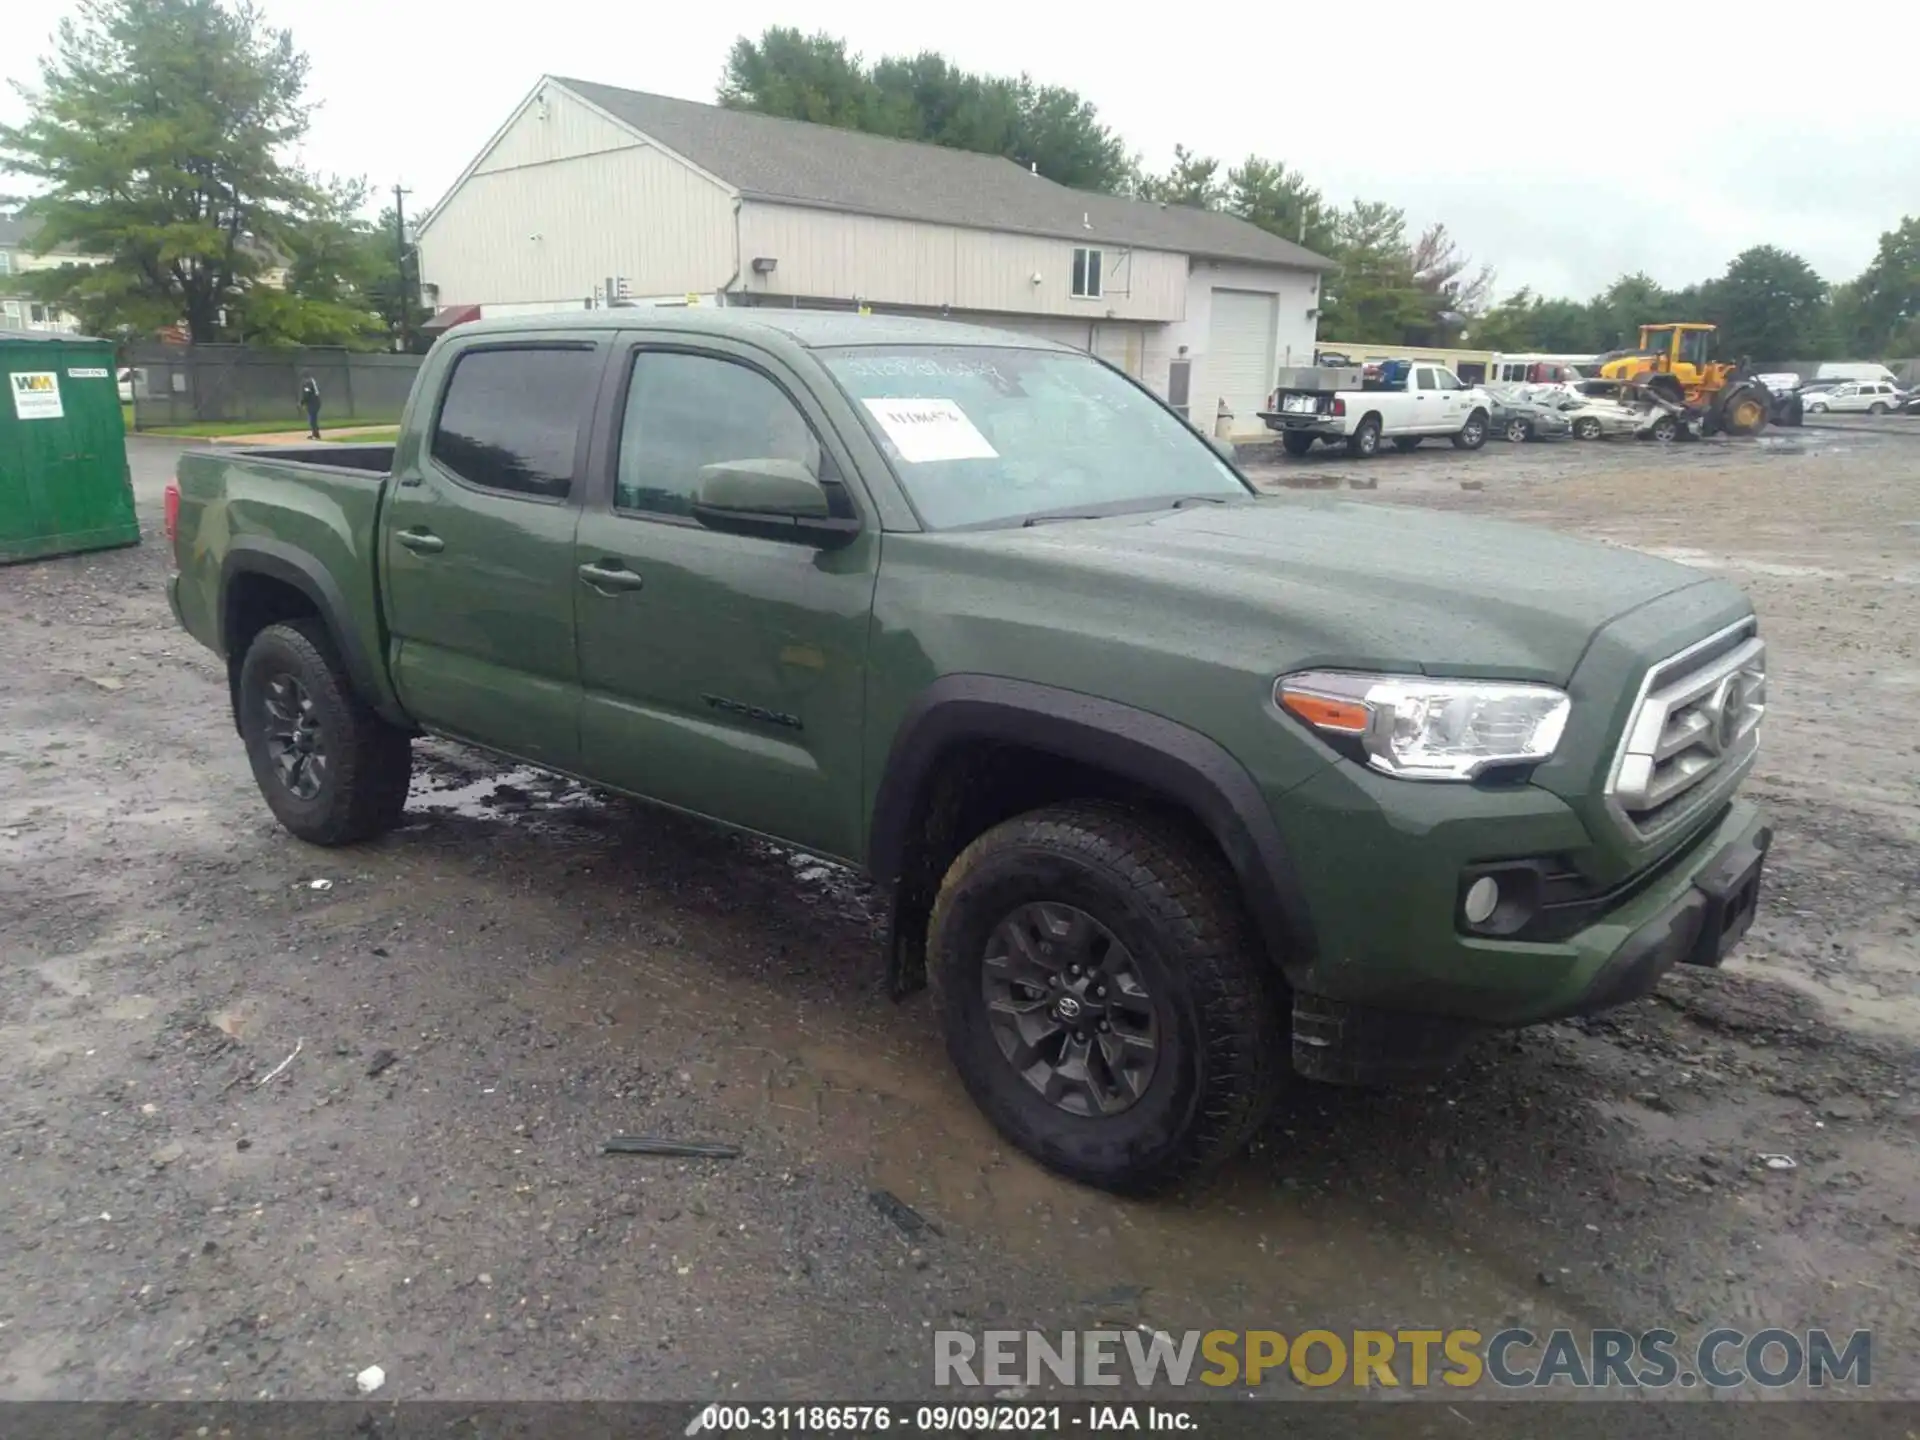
<point>1054,517</point>
<point>1185,500</point>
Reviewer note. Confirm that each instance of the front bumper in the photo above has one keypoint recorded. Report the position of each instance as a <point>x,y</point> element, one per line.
<point>1696,912</point>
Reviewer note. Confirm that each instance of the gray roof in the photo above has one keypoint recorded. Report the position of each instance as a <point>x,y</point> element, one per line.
<point>766,158</point>
<point>15,232</point>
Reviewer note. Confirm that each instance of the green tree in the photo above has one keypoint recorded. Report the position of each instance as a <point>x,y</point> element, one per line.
<point>1266,193</point>
<point>1885,300</point>
<point>801,77</point>
<point>925,97</point>
<point>1376,295</point>
<point>1770,305</point>
<point>1628,303</point>
<point>159,137</point>
<point>1192,180</point>
<point>1455,291</point>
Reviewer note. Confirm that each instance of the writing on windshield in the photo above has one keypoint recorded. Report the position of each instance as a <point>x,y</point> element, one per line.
<point>983,434</point>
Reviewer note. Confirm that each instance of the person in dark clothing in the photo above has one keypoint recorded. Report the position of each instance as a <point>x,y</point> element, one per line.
<point>310,399</point>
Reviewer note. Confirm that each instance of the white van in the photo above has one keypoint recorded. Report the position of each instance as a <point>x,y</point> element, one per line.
<point>1852,370</point>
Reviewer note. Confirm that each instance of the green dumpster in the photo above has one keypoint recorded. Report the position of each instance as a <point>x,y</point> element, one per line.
<point>64,484</point>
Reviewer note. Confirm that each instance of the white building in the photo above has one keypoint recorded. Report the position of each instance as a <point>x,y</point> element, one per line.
<point>677,202</point>
<point>19,311</point>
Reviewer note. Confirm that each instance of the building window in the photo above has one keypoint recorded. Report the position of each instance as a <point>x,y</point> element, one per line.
<point>12,311</point>
<point>6,262</point>
<point>37,314</point>
<point>1086,274</point>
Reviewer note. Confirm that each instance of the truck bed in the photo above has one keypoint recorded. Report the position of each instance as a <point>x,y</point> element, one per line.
<point>307,516</point>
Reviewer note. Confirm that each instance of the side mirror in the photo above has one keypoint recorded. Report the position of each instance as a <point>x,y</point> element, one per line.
<point>770,498</point>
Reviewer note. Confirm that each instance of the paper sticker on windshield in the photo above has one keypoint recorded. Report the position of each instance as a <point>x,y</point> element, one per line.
<point>924,430</point>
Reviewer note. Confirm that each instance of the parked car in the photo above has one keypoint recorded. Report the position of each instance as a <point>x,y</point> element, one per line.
<point>1402,401</point>
<point>1871,397</point>
<point>1855,370</point>
<point>1593,419</point>
<point>1170,786</point>
<point>1520,416</point>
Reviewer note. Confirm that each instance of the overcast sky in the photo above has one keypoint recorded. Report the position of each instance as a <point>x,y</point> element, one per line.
<point>1564,146</point>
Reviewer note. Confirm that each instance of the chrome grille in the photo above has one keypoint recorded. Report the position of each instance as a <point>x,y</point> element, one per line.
<point>1692,734</point>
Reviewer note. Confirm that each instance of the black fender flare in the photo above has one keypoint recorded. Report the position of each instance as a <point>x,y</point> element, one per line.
<point>1157,754</point>
<point>277,560</point>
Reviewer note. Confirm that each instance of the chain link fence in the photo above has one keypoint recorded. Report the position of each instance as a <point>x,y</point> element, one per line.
<point>197,384</point>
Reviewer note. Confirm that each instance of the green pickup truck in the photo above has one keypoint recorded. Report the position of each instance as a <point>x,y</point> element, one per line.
<point>1176,788</point>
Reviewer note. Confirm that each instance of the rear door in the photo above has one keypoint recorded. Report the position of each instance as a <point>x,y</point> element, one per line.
<point>477,562</point>
<point>721,674</point>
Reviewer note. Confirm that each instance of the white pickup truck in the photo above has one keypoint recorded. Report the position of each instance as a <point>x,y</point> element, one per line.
<point>1407,402</point>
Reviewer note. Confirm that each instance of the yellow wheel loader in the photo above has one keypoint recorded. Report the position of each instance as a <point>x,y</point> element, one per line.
<point>1671,369</point>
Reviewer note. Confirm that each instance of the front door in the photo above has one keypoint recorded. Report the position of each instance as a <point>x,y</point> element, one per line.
<point>478,571</point>
<point>722,674</point>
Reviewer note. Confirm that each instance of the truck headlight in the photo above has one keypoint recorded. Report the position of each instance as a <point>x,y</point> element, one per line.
<point>1423,729</point>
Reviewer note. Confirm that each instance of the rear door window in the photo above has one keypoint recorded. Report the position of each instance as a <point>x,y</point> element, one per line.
<point>511,418</point>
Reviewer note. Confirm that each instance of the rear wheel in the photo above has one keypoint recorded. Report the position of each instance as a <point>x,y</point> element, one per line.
<point>331,770</point>
<point>1473,434</point>
<point>1297,442</point>
<point>1586,428</point>
<point>1517,431</point>
<point>1365,442</point>
<point>1664,429</point>
<point>1103,996</point>
<point>1743,410</point>
<point>1877,408</point>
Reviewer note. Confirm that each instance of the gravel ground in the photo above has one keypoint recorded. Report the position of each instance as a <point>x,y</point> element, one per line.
<point>526,968</point>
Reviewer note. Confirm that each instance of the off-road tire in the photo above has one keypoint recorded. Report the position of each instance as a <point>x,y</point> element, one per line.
<point>1174,904</point>
<point>1297,442</point>
<point>369,761</point>
<point>1364,442</point>
<point>1473,434</point>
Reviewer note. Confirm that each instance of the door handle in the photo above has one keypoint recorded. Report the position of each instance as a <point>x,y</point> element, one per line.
<point>421,542</point>
<point>610,575</point>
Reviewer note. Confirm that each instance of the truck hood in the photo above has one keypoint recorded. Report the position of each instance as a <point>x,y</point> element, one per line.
<point>1344,583</point>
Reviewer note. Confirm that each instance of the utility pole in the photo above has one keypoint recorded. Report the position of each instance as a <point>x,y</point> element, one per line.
<point>400,256</point>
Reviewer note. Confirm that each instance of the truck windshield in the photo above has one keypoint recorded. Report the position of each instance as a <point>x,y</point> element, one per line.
<point>982,435</point>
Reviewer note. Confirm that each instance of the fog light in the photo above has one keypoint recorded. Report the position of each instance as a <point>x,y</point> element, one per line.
<point>1483,898</point>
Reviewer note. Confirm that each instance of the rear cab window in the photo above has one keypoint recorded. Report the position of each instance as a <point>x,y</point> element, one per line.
<point>510,418</point>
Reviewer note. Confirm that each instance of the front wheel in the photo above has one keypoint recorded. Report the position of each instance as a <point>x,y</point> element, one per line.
<point>1664,429</point>
<point>1517,431</point>
<point>1103,996</point>
<point>331,770</point>
<point>1586,428</point>
<point>1816,408</point>
<point>1473,434</point>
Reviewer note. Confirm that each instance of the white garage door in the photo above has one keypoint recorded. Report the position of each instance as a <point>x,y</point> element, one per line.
<point>1239,362</point>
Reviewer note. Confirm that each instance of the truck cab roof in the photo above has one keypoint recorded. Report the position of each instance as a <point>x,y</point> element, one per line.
<point>810,329</point>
